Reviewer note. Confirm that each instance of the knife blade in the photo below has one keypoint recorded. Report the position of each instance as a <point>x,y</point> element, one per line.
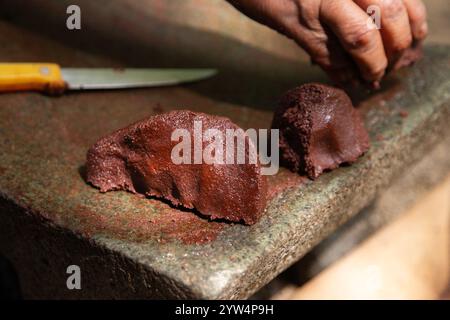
<point>79,79</point>
<point>51,78</point>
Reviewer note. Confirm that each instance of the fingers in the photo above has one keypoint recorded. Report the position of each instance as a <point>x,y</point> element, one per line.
<point>339,66</point>
<point>299,20</point>
<point>395,28</point>
<point>340,36</point>
<point>321,45</point>
<point>357,35</point>
<point>417,18</point>
<point>330,56</point>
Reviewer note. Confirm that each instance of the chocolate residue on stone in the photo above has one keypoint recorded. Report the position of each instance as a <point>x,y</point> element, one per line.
<point>319,129</point>
<point>167,225</point>
<point>157,109</point>
<point>409,56</point>
<point>164,223</point>
<point>403,113</point>
<point>283,181</point>
<point>138,159</point>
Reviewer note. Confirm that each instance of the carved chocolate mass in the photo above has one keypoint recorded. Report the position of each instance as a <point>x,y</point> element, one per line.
<point>319,129</point>
<point>139,159</point>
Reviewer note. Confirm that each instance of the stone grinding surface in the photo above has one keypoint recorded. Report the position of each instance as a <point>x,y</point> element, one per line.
<point>43,142</point>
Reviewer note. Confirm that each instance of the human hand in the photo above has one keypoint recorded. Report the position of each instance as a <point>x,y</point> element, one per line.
<point>340,36</point>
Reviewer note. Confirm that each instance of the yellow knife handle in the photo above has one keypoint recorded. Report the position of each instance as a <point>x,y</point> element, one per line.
<point>44,77</point>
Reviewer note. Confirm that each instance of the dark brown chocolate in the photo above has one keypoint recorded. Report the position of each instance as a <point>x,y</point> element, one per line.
<point>319,129</point>
<point>138,159</point>
<point>409,56</point>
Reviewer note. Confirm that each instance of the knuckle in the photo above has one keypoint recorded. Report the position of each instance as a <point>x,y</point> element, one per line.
<point>392,9</point>
<point>420,13</point>
<point>319,37</point>
<point>418,17</point>
<point>360,38</point>
<point>308,13</point>
<point>422,31</point>
<point>416,10</point>
<point>403,44</point>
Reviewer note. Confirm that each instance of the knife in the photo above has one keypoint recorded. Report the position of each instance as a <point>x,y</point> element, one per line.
<point>51,78</point>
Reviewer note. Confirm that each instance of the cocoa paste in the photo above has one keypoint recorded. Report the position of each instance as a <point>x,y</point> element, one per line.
<point>319,129</point>
<point>409,56</point>
<point>138,159</point>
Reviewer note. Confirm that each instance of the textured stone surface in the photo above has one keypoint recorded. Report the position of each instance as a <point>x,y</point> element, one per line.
<point>128,247</point>
<point>43,145</point>
<point>389,205</point>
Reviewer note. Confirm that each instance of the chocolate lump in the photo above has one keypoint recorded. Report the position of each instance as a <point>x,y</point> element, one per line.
<point>319,129</point>
<point>139,159</point>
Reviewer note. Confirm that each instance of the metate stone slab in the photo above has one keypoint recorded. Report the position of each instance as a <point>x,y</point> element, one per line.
<point>131,247</point>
